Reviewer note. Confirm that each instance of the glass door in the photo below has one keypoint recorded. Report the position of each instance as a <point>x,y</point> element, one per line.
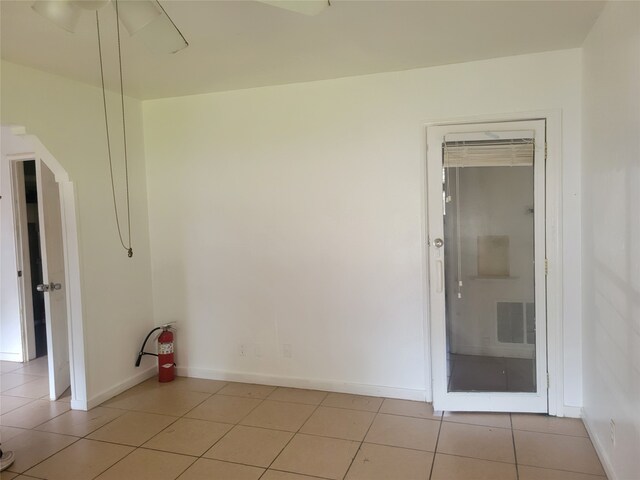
<point>486,224</point>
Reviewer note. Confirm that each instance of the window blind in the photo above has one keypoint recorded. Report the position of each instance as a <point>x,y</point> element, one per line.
<point>489,153</point>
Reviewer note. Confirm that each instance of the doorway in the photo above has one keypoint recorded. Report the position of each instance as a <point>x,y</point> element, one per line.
<point>65,354</point>
<point>33,261</point>
<point>41,272</point>
<point>487,266</point>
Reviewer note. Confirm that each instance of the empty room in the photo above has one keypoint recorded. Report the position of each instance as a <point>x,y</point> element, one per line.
<point>311,239</point>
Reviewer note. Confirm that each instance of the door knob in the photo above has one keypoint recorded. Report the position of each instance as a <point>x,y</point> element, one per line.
<point>45,287</point>
<point>438,242</point>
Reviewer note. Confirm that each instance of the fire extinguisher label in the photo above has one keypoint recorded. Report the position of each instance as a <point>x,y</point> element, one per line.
<point>167,365</point>
<point>165,348</point>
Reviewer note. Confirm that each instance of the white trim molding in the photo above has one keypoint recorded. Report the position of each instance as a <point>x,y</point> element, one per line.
<point>311,384</point>
<point>18,146</point>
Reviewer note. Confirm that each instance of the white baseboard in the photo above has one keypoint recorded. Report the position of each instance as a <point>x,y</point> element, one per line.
<point>79,405</point>
<point>313,384</point>
<point>597,444</point>
<point>11,357</point>
<point>525,351</point>
<point>115,390</point>
<point>571,412</point>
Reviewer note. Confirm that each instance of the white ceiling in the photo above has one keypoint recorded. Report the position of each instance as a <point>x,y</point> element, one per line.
<point>242,43</point>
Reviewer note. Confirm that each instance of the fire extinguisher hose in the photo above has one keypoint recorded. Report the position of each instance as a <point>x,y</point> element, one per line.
<point>142,352</point>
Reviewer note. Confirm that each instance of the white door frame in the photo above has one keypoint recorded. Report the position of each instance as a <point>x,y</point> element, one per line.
<point>17,146</point>
<point>23,262</point>
<point>553,223</point>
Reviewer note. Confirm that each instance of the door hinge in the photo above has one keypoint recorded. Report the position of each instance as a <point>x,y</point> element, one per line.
<point>546,266</point>
<point>548,381</point>
<point>19,273</point>
<point>545,150</point>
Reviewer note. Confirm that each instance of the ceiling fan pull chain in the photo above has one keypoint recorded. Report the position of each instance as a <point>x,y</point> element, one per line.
<point>106,122</point>
<point>124,132</point>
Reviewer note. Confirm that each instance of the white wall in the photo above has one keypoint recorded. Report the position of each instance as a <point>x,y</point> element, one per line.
<point>611,236</point>
<point>295,215</point>
<point>67,118</point>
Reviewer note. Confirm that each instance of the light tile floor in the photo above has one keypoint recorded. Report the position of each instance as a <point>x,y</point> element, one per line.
<point>204,429</point>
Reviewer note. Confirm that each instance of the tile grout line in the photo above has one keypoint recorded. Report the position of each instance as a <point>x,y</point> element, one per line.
<point>435,448</point>
<point>84,437</point>
<point>293,436</point>
<point>513,442</point>
<point>233,425</point>
<point>225,434</point>
<point>137,447</point>
<point>362,441</point>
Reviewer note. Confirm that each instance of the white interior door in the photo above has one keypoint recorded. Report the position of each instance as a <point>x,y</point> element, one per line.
<point>53,275</point>
<point>486,207</point>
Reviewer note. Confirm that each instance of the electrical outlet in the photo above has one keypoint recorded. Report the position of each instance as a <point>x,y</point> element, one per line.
<point>286,350</point>
<point>242,350</point>
<point>612,431</point>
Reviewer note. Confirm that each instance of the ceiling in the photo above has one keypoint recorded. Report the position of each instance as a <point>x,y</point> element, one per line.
<point>241,44</point>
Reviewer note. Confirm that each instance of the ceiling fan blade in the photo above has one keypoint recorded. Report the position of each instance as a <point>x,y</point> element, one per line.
<point>306,7</point>
<point>147,20</point>
<point>64,14</point>
<point>137,14</point>
<point>161,36</point>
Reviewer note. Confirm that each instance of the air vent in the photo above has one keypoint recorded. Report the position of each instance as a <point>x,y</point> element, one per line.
<point>516,322</point>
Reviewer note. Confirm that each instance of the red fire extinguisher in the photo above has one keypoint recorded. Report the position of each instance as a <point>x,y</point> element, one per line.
<point>166,365</point>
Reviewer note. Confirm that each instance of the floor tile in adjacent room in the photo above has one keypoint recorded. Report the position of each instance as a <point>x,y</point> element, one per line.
<point>79,423</point>
<point>338,423</point>
<point>222,408</point>
<point>408,408</point>
<point>82,460</point>
<point>545,424</point>
<point>317,456</point>
<point>38,366</point>
<point>560,452</point>
<point>247,390</point>
<point>12,380</point>
<point>354,402</point>
<point>11,403</point>
<point>487,443</point>
<point>33,413</point>
<point>406,432</point>
<point>279,415</point>
<point>6,367</point>
<point>205,469</point>
<point>188,436</point>
<point>534,473</point>
<point>145,464</point>
<point>449,467</point>
<point>478,373</point>
<point>34,389</point>
<point>250,446</point>
<point>380,462</point>
<point>501,420</point>
<point>297,395</point>
<point>132,428</point>
<point>6,475</point>
<point>32,447</point>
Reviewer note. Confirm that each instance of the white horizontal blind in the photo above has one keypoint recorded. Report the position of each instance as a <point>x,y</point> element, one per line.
<point>495,148</point>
